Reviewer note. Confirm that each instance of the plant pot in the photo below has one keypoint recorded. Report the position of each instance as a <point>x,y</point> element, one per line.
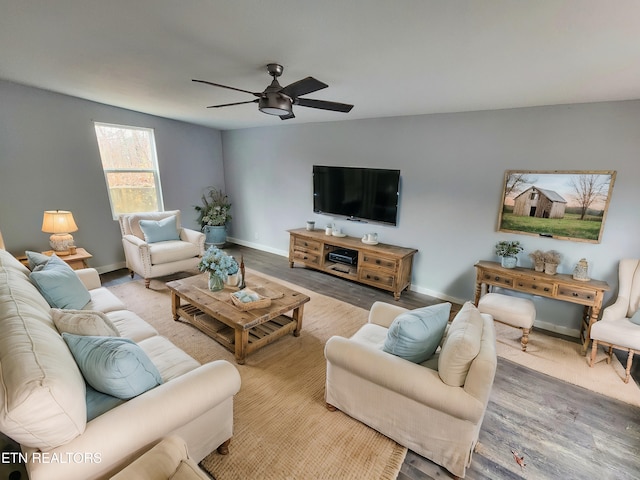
<point>215,235</point>
<point>538,266</point>
<point>509,262</point>
<point>550,268</point>
<point>215,282</point>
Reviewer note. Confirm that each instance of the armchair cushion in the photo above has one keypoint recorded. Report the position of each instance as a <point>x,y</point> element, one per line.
<point>416,334</point>
<point>112,365</point>
<point>160,230</point>
<point>59,285</point>
<point>461,346</point>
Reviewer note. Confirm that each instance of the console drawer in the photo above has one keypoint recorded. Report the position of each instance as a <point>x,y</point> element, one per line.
<point>585,296</point>
<point>534,287</point>
<point>306,245</point>
<point>497,279</point>
<point>306,257</point>
<point>368,259</point>
<point>377,277</point>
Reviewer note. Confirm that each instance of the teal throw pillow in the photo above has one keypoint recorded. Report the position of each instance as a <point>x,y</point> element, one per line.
<point>160,230</point>
<point>36,260</point>
<point>113,365</point>
<point>635,318</point>
<point>59,285</point>
<point>416,334</point>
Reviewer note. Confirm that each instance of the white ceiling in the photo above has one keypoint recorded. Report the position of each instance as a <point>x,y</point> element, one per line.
<point>388,58</point>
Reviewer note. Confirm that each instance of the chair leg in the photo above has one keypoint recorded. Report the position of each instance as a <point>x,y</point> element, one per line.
<point>131,273</point>
<point>147,282</point>
<point>525,338</point>
<point>629,362</point>
<point>331,408</point>
<point>609,354</point>
<point>594,351</point>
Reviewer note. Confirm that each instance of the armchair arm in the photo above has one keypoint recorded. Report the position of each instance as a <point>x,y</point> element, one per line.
<point>89,277</point>
<point>616,311</point>
<point>193,236</point>
<point>384,314</point>
<point>406,378</point>
<point>135,241</point>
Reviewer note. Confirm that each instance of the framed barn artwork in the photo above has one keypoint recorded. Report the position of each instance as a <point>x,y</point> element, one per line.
<point>562,204</point>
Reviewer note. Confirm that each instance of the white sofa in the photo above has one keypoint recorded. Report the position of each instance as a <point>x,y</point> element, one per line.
<point>409,402</point>
<point>43,398</point>
<point>157,259</point>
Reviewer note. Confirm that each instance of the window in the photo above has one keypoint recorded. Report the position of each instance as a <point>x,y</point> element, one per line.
<point>130,168</point>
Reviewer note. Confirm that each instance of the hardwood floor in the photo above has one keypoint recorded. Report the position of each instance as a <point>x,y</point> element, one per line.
<point>563,431</point>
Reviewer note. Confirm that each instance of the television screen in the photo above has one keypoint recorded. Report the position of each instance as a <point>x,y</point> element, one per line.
<point>357,193</point>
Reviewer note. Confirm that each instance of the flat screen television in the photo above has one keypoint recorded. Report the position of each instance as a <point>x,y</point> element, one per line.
<point>362,194</point>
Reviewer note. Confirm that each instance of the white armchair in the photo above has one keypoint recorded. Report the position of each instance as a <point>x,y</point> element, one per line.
<point>616,330</point>
<point>409,402</point>
<point>157,259</point>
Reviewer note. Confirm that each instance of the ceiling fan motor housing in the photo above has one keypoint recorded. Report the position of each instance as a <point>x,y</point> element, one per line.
<point>275,103</point>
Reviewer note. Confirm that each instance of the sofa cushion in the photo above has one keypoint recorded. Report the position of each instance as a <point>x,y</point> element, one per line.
<point>170,360</point>
<point>461,345</point>
<point>416,334</point>
<point>83,322</point>
<point>102,300</point>
<point>99,403</point>
<point>112,365</point>
<point>160,230</point>
<point>59,285</point>
<point>131,326</point>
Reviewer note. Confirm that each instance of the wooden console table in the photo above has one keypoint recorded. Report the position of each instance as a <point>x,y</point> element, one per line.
<point>559,287</point>
<point>387,267</point>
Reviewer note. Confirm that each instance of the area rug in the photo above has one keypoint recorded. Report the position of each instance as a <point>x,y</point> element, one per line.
<point>282,429</point>
<point>564,360</point>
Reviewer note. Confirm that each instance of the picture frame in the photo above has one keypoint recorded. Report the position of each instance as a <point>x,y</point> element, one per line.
<point>562,204</point>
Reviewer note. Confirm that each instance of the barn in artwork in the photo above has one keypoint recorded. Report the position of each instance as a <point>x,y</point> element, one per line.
<point>539,202</point>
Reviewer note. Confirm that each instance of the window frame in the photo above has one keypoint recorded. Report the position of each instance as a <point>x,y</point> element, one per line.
<point>155,171</point>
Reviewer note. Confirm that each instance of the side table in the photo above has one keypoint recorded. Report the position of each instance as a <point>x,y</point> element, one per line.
<point>76,261</point>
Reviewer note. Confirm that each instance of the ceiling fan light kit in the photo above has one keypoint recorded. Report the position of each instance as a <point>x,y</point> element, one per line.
<point>279,101</point>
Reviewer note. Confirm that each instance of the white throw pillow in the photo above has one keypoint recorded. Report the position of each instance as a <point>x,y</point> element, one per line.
<point>461,346</point>
<point>83,322</point>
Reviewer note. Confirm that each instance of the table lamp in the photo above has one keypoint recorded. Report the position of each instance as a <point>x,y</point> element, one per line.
<point>60,224</point>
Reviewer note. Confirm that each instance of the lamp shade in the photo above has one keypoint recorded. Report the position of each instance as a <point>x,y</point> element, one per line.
<point>58,221</point>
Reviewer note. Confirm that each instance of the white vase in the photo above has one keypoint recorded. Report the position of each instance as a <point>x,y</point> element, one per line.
<point>509,262</point>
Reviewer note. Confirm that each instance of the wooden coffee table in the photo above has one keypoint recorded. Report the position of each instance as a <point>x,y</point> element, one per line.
<point>241,332</point>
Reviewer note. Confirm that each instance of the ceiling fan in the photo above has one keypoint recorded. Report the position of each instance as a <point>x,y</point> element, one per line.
<point>278,100</point>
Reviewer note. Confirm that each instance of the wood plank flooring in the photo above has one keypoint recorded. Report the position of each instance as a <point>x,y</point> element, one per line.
<point>563,431</point>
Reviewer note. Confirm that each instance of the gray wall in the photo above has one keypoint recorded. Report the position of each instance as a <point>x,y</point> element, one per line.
<point>49,159</point>
<point>452,168</point>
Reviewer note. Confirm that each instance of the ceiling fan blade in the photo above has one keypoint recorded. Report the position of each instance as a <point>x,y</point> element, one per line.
<point>230,104</point>
<point>302,87</point>
<point>287,117</point>
<point>324,105</point>
<point>255,94</point>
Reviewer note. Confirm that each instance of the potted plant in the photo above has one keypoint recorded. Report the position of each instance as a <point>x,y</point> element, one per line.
<point>218,265</point>
<point>537,257</point>
<point>508,251</point>
<point>551,261</point>
<point>213,216</point>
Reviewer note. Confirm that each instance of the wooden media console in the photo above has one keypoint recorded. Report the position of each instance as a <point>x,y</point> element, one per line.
<point>387,267</point>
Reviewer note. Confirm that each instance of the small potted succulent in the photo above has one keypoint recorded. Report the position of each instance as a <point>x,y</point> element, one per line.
<point>508,252</point>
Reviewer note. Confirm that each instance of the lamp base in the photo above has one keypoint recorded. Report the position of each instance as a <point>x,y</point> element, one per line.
<point>60,243</point>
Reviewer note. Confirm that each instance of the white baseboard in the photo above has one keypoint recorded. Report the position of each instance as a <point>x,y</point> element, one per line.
<point>552,327</point>
<point>111,268</point>
<point>257,246</point>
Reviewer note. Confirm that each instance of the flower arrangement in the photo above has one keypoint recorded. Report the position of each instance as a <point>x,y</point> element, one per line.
<point>508,249</point>
<point>215,208</point>
<point>217,263</point>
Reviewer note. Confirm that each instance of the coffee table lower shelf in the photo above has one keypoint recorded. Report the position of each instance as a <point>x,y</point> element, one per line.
<point>231,338</point>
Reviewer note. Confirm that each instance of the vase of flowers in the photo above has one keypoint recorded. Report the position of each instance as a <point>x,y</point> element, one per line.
<point>217,264</point>
<point>508,251</point>
<point>213,216</point>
